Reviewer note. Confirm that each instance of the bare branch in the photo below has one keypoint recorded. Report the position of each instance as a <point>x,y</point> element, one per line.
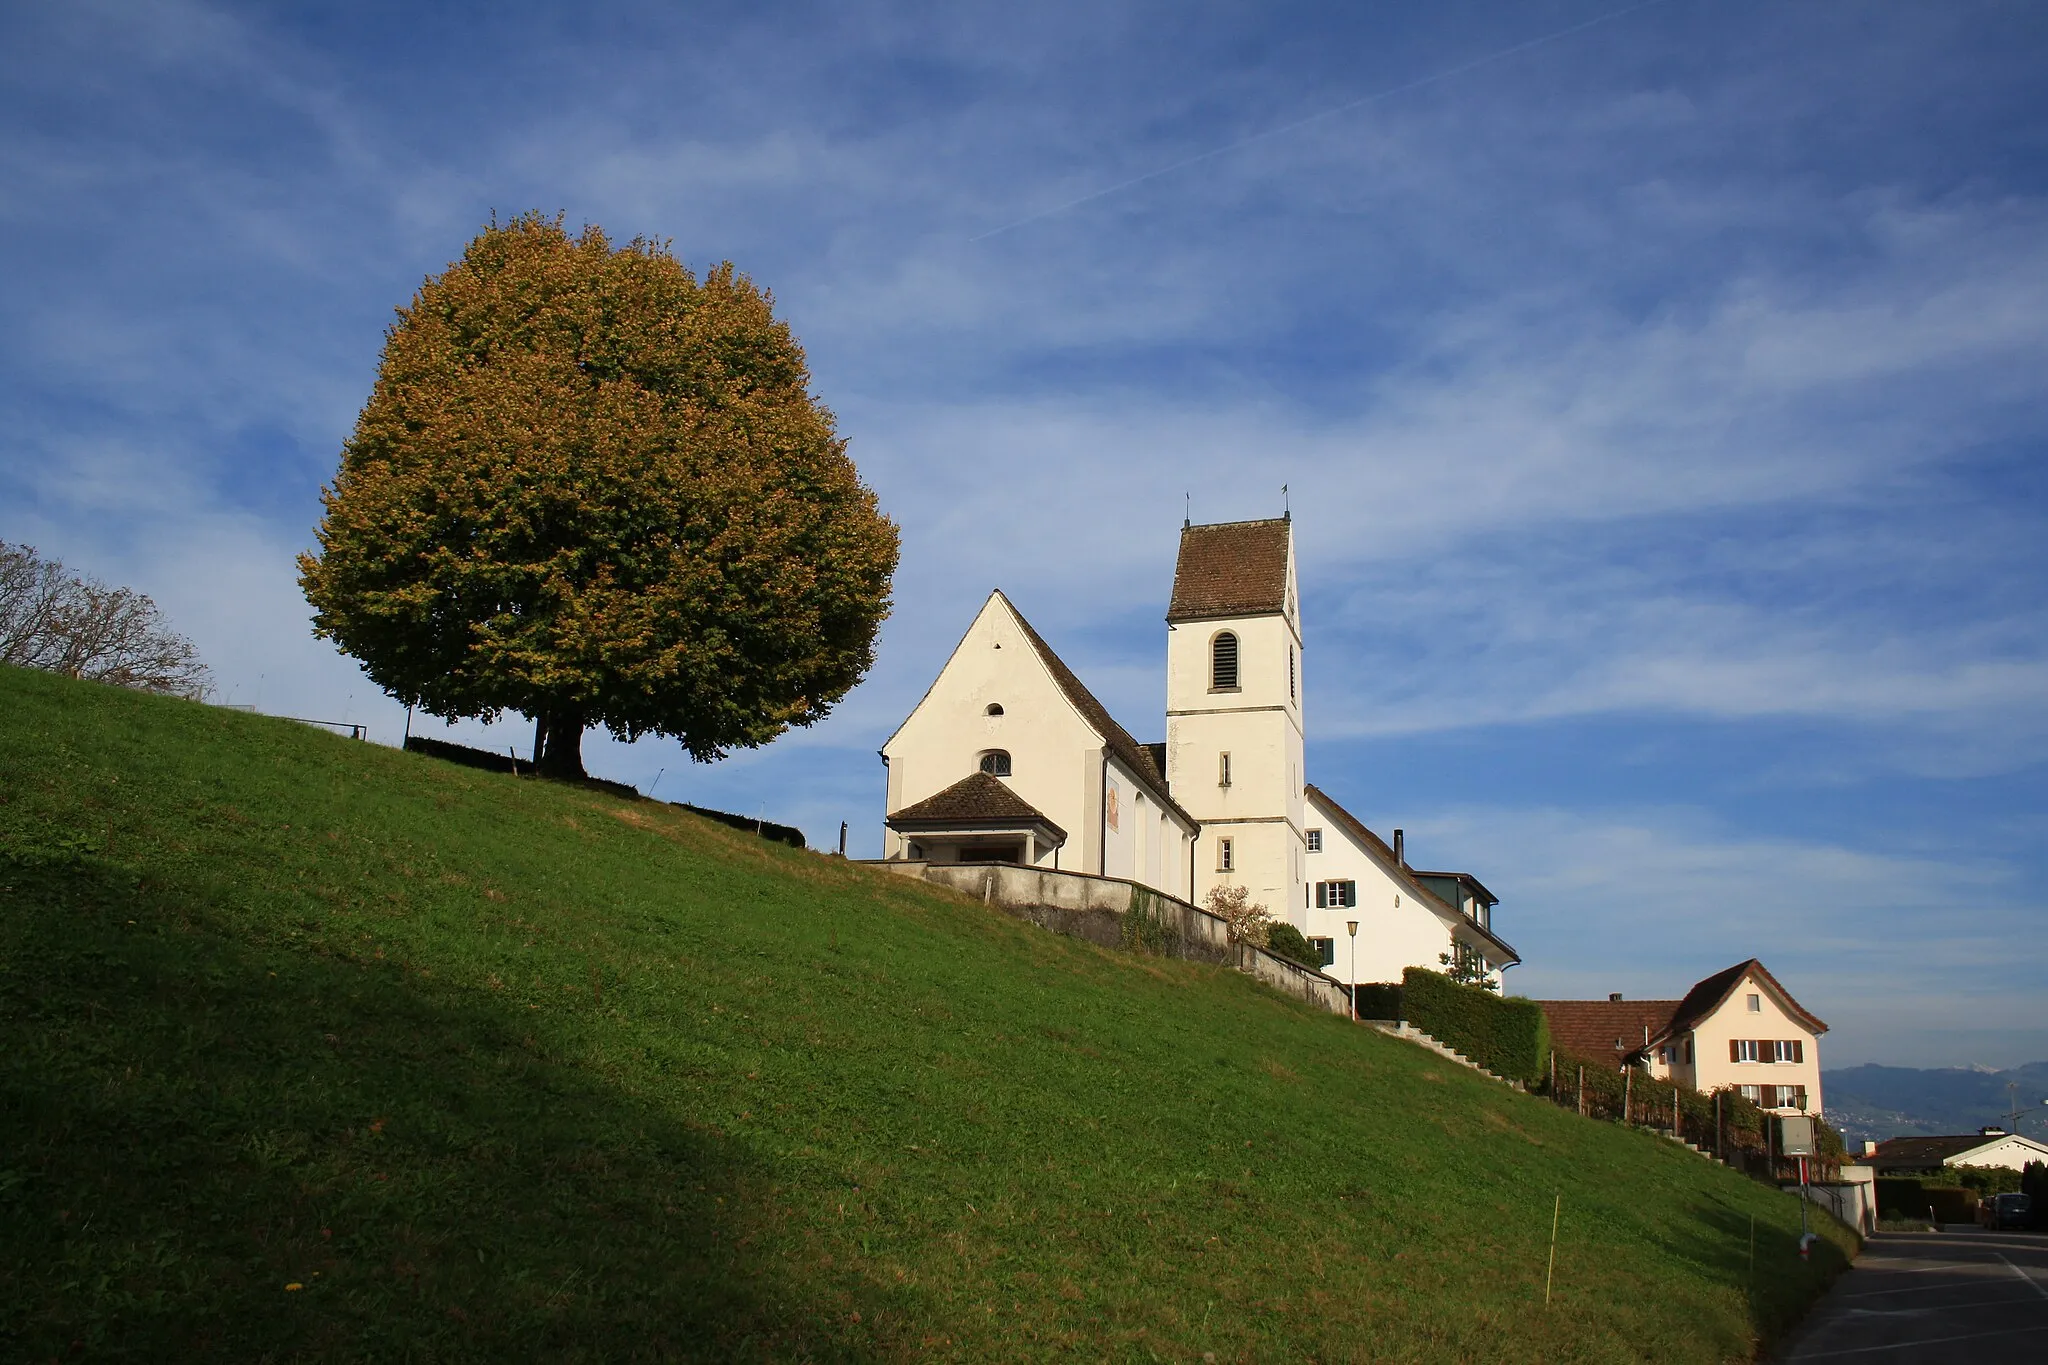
<point>80,627</point>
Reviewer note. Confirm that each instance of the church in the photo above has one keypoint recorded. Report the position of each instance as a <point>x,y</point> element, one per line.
<point>1009,757</point>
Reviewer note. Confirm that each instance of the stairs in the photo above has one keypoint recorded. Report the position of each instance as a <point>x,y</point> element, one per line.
<point>1410,1033</point>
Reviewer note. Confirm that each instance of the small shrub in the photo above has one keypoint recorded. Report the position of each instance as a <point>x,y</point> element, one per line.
<point>1249,921</point>
<point>1284,940</point>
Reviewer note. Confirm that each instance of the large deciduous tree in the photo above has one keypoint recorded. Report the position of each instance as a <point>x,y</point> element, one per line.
<point>51,618</point>
<point>593,490</point>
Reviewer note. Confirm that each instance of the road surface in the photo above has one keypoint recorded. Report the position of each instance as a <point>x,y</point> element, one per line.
<point>1933,1298</point>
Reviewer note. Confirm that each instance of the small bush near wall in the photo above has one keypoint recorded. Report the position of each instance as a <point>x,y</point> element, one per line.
<point>1284,940</point>
<point>1510,1038</point>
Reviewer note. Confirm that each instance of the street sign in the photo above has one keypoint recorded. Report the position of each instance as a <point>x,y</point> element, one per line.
<point>1795,1135</point>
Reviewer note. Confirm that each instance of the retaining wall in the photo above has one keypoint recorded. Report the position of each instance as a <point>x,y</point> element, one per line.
<point>1116,913</point>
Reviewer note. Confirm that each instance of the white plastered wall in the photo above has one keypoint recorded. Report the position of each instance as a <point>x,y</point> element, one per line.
<point>1397,928</point>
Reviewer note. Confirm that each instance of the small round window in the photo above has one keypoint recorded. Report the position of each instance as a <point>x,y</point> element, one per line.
<point>996,763</point>
<point>995,708</point>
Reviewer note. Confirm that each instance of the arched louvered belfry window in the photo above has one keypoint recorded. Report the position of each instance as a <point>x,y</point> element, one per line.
<point>1223,662</point>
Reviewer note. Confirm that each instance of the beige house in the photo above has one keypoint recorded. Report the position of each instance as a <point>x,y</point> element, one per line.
<point>1987,1147</point>
<point>1739,1029</point>
<point>1009,758</point>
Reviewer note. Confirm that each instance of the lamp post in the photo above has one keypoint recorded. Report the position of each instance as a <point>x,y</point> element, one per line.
<point>1351,927</point>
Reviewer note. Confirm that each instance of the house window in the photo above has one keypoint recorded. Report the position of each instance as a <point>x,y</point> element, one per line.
<point>1315,841</point>
<point>1326,950</point>
<point>1336,895</point>
<point>1688,1052</point>
<point>1223,858</point>
<point>1742,1049</point>
<point>1223,663</point>
<point>996,763</point>
<point>1223,770</point>
<point>1753,1093</point>
<point>1756,1004</point>
<point>1793,1096</point>
<point>995,708</point>
<point>1788,1050</point>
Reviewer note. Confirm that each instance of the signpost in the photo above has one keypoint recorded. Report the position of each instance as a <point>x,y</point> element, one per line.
<point>1795,1139</point>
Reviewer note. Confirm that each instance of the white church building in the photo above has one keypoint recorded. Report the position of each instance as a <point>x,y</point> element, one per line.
<point>1009,758</point>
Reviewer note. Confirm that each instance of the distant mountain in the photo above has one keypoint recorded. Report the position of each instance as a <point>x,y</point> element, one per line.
<point>1902,1101</point>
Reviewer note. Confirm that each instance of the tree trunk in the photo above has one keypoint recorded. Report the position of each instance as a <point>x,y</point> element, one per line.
<point>558,744</point>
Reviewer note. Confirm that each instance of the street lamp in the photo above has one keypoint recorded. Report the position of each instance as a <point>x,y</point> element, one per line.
<point>1351,926</point>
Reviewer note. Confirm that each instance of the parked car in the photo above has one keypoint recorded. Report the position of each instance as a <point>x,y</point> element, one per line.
<point>2006,1211</point>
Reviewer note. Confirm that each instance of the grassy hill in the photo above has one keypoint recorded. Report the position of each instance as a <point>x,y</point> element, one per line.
<point>314,1049</point>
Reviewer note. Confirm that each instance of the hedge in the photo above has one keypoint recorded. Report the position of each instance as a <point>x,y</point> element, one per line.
<point>1378,1000</point>
<point>1510,1038</point>
<point>1904,1197</point>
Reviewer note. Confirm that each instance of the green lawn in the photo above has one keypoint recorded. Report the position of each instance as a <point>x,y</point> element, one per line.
<point>314,1049</point>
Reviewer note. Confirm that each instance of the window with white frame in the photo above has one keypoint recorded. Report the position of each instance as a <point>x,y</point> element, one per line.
<point>1326,951</point>
<point>1742,1050</point>
<point>1788,1050</point>
<point>1315,841</point>
<point>1756,1004</point>
<point>1224,861</point>
<point>1753,1093</point>
<point>1336,895</point>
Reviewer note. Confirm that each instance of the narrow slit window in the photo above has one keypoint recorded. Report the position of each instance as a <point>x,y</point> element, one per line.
<point>1290,672</point>
<point>1223,770</point>
<point>1224,861</point>
<point>1223,663</point>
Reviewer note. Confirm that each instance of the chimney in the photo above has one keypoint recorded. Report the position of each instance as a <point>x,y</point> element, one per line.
<point>1400,848</point>
<point>1614,997</point>
<point>1869,1147</point>
<point>1992,1131</point>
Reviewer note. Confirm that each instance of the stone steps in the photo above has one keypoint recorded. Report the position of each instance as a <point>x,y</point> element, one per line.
<point>1410,1033</point>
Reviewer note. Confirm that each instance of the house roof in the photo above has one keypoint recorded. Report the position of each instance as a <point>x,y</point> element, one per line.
<point>1376,849</point>
<point>1478,887</point>
<point>977,800</point>
<point>1234,568</point>
<point>1710,994</point>
<point>1590,1029</point>
<point>1133,755</point>
<point>1924,1153</point>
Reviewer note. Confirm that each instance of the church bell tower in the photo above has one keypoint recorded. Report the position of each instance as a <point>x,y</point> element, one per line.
<point>1233,709</point>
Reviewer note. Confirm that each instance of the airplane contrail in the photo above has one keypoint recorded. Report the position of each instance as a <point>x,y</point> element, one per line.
<point>1332,112</point>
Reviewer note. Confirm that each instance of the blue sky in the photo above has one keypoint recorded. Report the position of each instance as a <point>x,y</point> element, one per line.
<point>1660,390</point>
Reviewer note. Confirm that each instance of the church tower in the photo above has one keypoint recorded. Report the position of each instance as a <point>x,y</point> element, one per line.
<point>1233,709</point>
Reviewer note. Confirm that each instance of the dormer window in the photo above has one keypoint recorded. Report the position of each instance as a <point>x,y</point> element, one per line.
<point>996,763</point>
<point>995,708</point>
<point>1223,663</point>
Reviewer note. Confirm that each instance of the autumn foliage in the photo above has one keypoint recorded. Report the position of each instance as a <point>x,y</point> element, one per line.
<point>592,489</point>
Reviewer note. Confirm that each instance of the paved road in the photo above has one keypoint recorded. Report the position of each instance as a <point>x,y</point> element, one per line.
<point>1935,1298</point>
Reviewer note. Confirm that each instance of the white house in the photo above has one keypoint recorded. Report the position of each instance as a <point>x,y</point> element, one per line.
<point>1404,918</point>
<point>1008,757</point>
<point>1985,1147</point>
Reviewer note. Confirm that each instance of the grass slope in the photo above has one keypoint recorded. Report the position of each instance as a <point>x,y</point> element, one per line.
<point>313,1049</point>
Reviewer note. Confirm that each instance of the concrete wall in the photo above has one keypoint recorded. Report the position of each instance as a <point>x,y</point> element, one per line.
<point>1101,910</point>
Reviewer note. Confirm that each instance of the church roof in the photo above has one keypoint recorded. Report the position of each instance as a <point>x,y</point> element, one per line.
<point>976,799</point>
<point>1235,568</point>
<point>1133,755</point>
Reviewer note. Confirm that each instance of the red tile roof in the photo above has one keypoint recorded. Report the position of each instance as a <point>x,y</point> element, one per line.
<point>1590,1029</point>
<point>1237,568</point>
<point>1709,995</point>
<point>977,799</point>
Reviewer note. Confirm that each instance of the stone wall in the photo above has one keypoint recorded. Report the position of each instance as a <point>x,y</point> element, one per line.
<point>1116,913</point>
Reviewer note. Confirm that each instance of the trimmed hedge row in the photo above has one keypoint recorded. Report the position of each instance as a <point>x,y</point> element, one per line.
<point>1378,1000</point>
<point>1510,1038</point>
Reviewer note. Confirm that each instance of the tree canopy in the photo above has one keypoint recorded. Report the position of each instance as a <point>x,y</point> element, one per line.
<point>593,490</point>
<point>53,619</point>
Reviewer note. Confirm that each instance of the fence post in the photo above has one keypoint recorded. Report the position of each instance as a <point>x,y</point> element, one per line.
<point>1628,1080</point>
<point>1674,1115</point>
<point>1582,1092</point>
<point>1720,1137</point>
<point>1553,1075</point>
